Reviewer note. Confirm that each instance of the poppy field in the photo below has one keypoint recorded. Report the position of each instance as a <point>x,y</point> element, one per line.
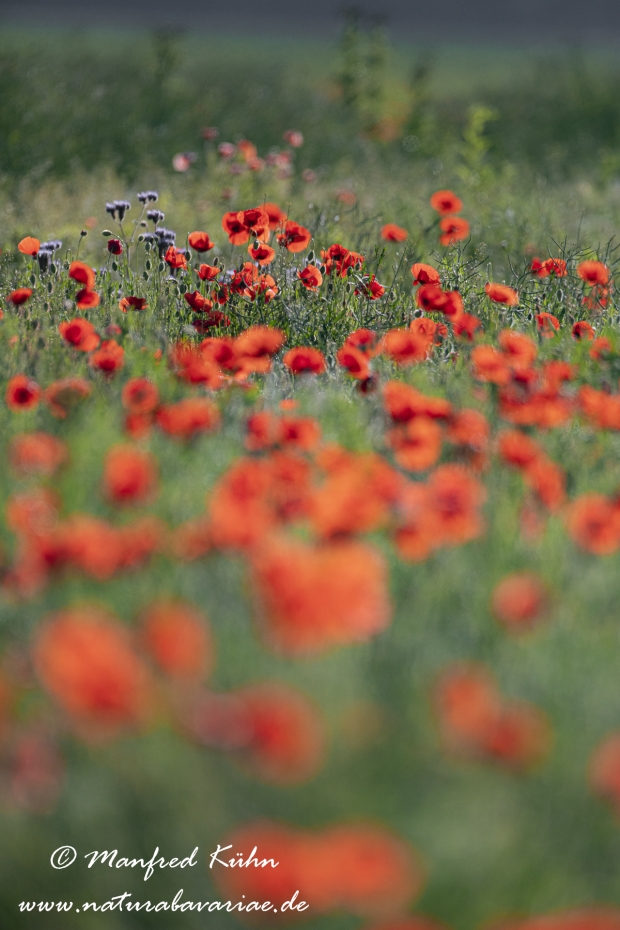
<point>310,539</point>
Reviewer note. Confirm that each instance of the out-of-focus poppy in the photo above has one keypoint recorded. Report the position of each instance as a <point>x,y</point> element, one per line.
<point>424,274</point>
<point>139,395</point>
<point>393,233</point>
<point>502,294</point>
<point>594,273</point>
<point>20,296</point>
<point>37,453</point>
<point>453,229</point>
<point>178,637</point>
<point>445,202</point>
<point>583,330</point>
<point>519,601</point>
<point>593,522</point>
<point>22,393</point>
<point>305,360</point>
<point>548,325</point>
<point>132,303</point>
<point>80,334</point>
<point>85,299</point>
<point>83,274</point>
<point>129,475</point>
<point>109,357</point>
<point>63,395</point>
<point>188,417</point>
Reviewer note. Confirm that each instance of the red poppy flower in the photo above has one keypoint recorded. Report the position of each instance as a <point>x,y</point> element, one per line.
<point>430,297</point>
<point>548,324</point>
<point>29,245</point>
<point>85,659</point>
<point>37,454</point>
<point>305,360</point>
<point>83,274</point>
<point>393,233</point>
<point>354,361</point>
<point>198,302</point>
<point>129,475</point>
<point>208,272</point>
<point>132,303</point>
<point>370,288</point>
<point>424,274</point>
<point>453,229</point>
<point>20,296</point>
<point>178,638</point>
<point>110,357</point>
<point>277,216</point>
<point>594,273</point>
<point>188,417</point>
<point>465,326</point>
<point>405,347</point>
<point>502,294</point>
<point>176,258</point>
<point>200,241</point>
<point>22,393</point>
<point>235,229</point>
<point>115,246</point>
<point>519,601</point>
<point>261,253</point>
<point>583,330</point>
<point>445,202</point>
<point>555,266</point>
<point>80,334</point>
<point>61,396</point>
<point>86,298</point>
<point>310,277</point>
<point>593,522</point>
<point>294,238</point>
<point>417,444</point>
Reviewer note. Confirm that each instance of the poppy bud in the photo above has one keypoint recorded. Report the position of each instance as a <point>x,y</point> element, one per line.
<point>84,233</point>
<point>311,257</point>
<point>106,232</point>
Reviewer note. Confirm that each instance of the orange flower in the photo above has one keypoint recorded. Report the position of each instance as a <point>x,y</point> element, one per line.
<point>235,229</point>
<point>285,738</point>
<point>519,601</point>
<point>29,245</point>
<point>502,294</point>
<point>61,396</point>
<point>453,229</point>
<point>594,273</point>
<point>80,334</point>
<point>83,274</point>
<point>132,303</point>
<point>85,659</point>
<point>188,417</point>
<point>354,361</point>
<point>555,266</point>
<point>198,302</point>
<point>430,297</point>
<point>110,357</point>
<point>519,350</point>
<point>583,330</point>
<point>465,325</point>
<point>601,347</point>
<point>424,274</point>
<point>294,238</point>
<point>37,454</point>
<point>403,402</point>
<point>86,298</point>
<point>490,365</point>
<point>20,296</point>
<point>254,347</point>
<point>417,445</point>
<point>455,498</point>
<point>548,325</point>
<point>311,598</point>
<point>516,448</point>
<point>140,395</point>
<point>446,202</point>
<point>405,347</point>
<point>261,253</point>
<point>129,475</point>
<point>593,523</point>
<point>200,242</point>
<point>178,637</point>
<point>176,258</point>
<point>393,233</point>
<point>208,272</point>
<point>305,360</point>
<point>22,393</point>
<point>310,277</point>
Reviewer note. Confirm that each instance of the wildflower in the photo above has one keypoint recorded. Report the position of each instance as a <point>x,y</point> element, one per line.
<point>406,347</point>
<point>129,475</point>
<point>118,207</point>
<point>29,245</point>
<point>604,770</point>
<point>197,301</point>
<point>261,253</point>
<point>235,229</point>
<point>518,349</point>
<point>176,258</point>
<point>132,303</point>
<point>311,598</point>
<point>455,500</point>
<point>592,522</point>
<point>594,273</point>
<point>80,334</point>
<point>310,277</point>
<point>61,396</point>
<point>341,259</point>
<point>393,233</point>
<point>430,297</point>
<point>86,661</point>
<point>550,266</point>
<point>139,395</point>
<point>115,246</point>
<point>445,202</point>
<point>424,274</point>
<point>37,454</point>
<point>583,330</point>
<point>416,445</point>
<point>502,294</point>
<point>178,637</point>
<point>294,138</point>
<point>109,358</point>
<point>208,272</point>
<point>601,348</point>
<point>354,361</point>
<point>548,325</point>
<point>147,197</point>
<point>22,393</point>
<point>305,360</point>
<point>83,274</point>
<point>517,448</point>
<point>188,417</point>
<point>294,238</point>
<point>284,741</point>
<point>183,161</point>
<point>453,229</point>
<point>465,326</point>
<point>200,242</point>
<point>519,601</point>
<point>403,402</point>
<point>86,298</point>
<point>20,296</point>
